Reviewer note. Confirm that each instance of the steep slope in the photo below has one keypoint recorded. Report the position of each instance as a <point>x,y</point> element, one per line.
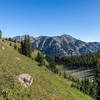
<point>45,86</point>
<point>64,45</point>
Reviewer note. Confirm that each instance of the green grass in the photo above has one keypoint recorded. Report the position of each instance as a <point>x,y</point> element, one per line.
<point>46,85</point>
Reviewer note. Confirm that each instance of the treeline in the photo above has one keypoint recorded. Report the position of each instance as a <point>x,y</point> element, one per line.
<point>86,87</point>
<point>87,61</point>
<point>83,85</point>
<point>97,80</point>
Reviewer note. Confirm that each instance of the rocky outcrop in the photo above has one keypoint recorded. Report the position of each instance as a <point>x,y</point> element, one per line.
<point>25,79</point>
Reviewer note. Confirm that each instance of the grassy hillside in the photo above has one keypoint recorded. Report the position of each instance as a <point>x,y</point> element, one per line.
<point>45,86</point>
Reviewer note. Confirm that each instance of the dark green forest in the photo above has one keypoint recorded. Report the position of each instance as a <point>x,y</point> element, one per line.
<point>87,61</point>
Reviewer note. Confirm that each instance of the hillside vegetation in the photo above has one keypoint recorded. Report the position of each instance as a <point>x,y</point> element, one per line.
<point>46,85</point>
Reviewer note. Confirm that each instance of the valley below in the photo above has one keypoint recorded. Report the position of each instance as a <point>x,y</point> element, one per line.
<point>80,73</point>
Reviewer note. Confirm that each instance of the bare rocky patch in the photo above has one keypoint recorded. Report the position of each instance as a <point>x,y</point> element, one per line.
<point>25,79</point>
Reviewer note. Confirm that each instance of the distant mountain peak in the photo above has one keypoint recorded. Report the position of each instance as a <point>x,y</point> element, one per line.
<point>66,35</point>
<point>63,45</point>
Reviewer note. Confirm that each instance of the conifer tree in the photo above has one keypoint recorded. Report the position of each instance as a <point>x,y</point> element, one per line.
<point>93,89</point>
<point>0,34</point>
<point>65,75</point>
<point>15,46</point>
<point>26,47</point>
<point>40,59</point>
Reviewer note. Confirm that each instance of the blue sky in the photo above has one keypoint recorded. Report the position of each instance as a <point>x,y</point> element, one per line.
<point>79,18</point>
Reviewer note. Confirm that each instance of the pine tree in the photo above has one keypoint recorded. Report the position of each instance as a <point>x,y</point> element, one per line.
<point>65,75</point>
<point>52,66</point>
<point>0,34</point>
<point>15,46</point>
<point>26,47</point>
<point>40,59</point>
<point>93,89</point>
<point>22,47</point>
<point>10,44</point>
<point>87,86</point>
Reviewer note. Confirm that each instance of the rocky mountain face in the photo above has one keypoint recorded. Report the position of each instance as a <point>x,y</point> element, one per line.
<point>64,45</point>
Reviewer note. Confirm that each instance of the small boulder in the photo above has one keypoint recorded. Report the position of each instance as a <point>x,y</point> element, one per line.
<point>25,79</point>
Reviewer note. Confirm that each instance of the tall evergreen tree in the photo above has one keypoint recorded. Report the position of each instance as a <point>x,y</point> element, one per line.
<point>0,34</point>
<point>65,74</point>
<point>40,59</point>
<point>26,47</point>
<point>15,46</point>
<point>93,89</point>
<point>52,66</point>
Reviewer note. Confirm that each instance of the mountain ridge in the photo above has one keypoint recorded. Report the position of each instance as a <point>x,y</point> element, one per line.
<point>64,45</point>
